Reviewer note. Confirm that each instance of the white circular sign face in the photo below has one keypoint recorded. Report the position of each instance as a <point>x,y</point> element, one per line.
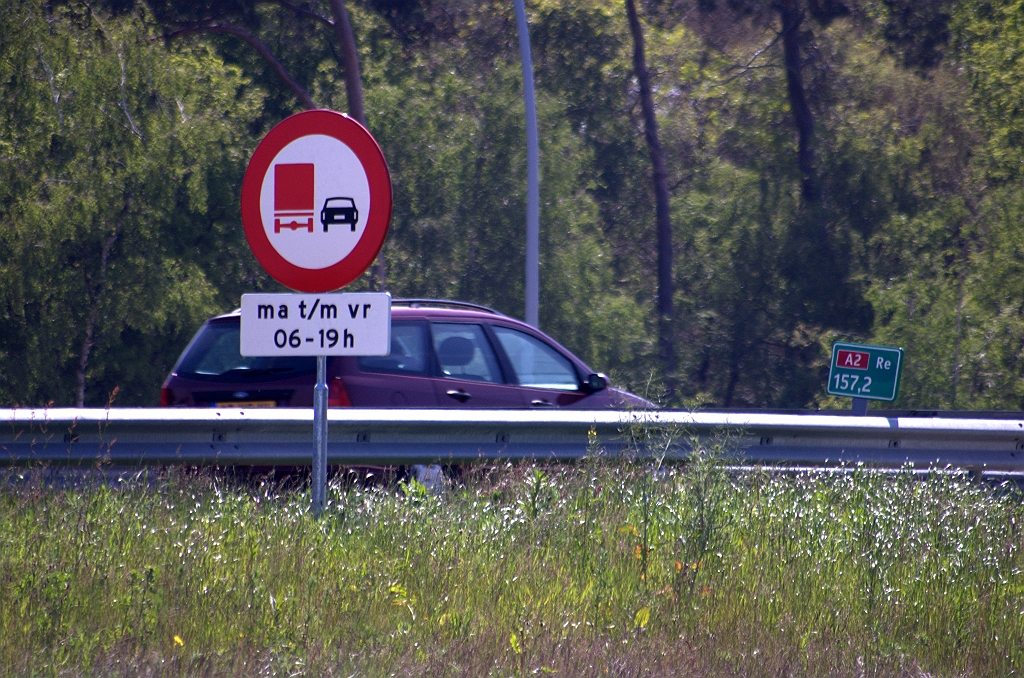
<point>314,201</point>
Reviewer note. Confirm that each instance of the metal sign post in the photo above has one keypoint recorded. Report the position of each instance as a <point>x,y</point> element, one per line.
<point>859,407</point>
<point>532,287</point>
<point>320,437</point>
<point>316,207</point>
<point>343,324</point>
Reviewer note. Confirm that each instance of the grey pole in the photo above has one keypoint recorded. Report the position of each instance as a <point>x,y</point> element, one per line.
<point>532,173</point>
<point>320,436</point>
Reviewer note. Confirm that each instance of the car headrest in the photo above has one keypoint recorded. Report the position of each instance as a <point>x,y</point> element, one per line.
<point>456,352</point>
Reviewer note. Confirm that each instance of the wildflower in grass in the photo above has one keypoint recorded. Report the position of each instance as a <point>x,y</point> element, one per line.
<point>178,641</point>
<point>642,618</point>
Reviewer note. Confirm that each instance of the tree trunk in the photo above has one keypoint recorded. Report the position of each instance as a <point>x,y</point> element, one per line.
<point>354,92</point>
<point>349,61</point>
<point>95,298</point>
<point>956,342</point>
<point>792,17</point>
<point>666,346</point>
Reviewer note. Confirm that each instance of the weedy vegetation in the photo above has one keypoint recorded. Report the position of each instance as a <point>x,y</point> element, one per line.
<point>613,566</point>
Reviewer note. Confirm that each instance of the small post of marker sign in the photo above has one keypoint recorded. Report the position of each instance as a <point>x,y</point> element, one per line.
<point>316,166</point>
<point>865,372</point>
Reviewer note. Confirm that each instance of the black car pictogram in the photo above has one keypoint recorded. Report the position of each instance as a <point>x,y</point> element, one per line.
<point>339,211</point>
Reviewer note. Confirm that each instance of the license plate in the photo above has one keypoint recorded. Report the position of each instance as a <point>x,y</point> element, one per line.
<point>249,403</point>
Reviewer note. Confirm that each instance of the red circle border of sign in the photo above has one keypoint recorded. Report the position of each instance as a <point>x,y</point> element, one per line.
<point>357,138</point>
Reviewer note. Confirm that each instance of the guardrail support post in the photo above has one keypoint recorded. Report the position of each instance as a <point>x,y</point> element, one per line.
<point>319,489</point>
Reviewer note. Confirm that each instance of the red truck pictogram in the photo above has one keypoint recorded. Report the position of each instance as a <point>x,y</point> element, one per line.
<point>293,196</point>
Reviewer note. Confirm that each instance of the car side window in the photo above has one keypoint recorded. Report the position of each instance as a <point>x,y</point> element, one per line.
<point>537,364</point>
<point>408,352</point>
<point>464,352</point>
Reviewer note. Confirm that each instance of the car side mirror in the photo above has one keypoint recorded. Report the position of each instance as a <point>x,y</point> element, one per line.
<point>595,382</point>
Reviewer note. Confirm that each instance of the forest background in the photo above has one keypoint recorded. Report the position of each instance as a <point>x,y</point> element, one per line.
<point>895,217</point>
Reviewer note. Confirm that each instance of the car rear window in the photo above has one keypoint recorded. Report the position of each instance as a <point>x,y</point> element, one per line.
<point>215,353</point>
<point>408,352</point>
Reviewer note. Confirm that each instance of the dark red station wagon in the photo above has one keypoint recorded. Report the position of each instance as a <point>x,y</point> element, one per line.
<point>444,354</point>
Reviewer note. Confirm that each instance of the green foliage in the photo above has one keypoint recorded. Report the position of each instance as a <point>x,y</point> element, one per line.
<point>120,214</point>
<point>121,157</point>
<point>686,571</point>
<point>948,287</point>
<point>989,37</point>
<point>454,144</point>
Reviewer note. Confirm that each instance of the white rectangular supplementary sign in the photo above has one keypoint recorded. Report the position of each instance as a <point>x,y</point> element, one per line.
<point>346,323</point>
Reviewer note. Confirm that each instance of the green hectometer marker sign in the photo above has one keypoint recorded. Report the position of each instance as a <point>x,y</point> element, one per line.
<point>863,371</point>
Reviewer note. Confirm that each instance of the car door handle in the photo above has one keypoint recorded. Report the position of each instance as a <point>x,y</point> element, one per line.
<point>460,395</point>
<point>542,403</point>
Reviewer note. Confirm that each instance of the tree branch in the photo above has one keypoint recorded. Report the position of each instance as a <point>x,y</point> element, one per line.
<point>309,14</point>
<point>741,70</point>
<point>778,36</point>
<point>256,44</point>
<point>124,76</point>
<point>124,97</point>
<point>53,88</point>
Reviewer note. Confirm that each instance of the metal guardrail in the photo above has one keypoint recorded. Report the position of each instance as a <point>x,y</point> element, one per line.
<point>272,437</point>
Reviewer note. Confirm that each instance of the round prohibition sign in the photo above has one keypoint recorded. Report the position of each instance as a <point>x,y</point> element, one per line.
<point>316,201</point>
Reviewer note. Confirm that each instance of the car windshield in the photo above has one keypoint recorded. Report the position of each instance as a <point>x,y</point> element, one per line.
<point>215,353</point>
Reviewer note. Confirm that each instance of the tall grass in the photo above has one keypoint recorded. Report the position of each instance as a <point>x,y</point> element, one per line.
<point>604,568</point>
